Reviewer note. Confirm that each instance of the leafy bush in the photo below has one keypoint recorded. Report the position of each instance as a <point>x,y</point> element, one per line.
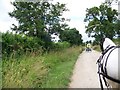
<point>61,45</point>
<point>19,43</point>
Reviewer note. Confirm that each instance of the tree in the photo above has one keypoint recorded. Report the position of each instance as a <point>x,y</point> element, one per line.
<point>72,36</point>
<point>38,19</point>
<point>118,28</point>
<point>101,22</point>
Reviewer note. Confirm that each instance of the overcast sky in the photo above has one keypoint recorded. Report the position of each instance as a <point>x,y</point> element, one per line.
<point>76,14</point>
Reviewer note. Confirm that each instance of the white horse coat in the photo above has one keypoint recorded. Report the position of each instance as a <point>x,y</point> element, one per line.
<point>112,66</point>
<point>113,61</point>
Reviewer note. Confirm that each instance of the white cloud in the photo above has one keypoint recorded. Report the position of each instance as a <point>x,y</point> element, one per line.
<point>5,20</point>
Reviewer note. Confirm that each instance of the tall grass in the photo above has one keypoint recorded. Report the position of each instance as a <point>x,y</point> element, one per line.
<point>26,72</point>
<point>35,71</point>
<point>60,65</point>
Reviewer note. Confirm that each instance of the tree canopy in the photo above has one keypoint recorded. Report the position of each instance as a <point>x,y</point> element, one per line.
<point>72,36</point>
<point>41,19</point>
<point>38,18</point>
<point>102,21</point>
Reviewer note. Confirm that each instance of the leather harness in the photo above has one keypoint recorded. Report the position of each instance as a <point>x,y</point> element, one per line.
<point>102,69</point>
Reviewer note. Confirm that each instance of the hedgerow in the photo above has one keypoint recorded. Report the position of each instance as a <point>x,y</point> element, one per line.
<point>19,43</point>
<point>16,45</point>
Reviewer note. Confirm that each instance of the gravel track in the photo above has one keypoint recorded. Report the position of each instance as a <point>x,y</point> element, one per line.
<point>85,71</point>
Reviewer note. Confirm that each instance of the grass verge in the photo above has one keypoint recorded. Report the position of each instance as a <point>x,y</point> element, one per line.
<point>97,48</point>
<point>24,72</point>
<point>51,70</point>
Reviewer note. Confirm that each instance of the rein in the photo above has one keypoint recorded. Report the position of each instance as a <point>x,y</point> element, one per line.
<point>102,70</point>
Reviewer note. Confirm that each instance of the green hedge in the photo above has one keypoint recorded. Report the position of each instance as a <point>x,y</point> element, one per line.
<point>61,45</point>
<point>19,43</point>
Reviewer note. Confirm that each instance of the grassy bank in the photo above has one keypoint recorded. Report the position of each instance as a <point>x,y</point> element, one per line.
<point>97,48</point>
<point>117,41</point>
<point>49,70</point>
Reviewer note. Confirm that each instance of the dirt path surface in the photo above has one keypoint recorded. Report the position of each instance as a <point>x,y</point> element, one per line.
<point>85,71</point>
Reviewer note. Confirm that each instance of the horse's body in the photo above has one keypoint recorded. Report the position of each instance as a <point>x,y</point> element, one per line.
<point>112,63</point>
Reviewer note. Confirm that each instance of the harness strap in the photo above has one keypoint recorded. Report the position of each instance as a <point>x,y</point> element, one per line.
<point>102,70</point>
<point>106,83</point>
<point>101,82</point>
<point>112,47</point>
<point>108,77</point>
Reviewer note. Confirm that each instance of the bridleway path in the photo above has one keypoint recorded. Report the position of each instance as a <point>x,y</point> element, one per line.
<point>85,71</point>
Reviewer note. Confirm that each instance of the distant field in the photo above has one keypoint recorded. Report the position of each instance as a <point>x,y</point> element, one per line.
<point>35,71</point>
<point>117,41</point>
<point>97,47</point>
